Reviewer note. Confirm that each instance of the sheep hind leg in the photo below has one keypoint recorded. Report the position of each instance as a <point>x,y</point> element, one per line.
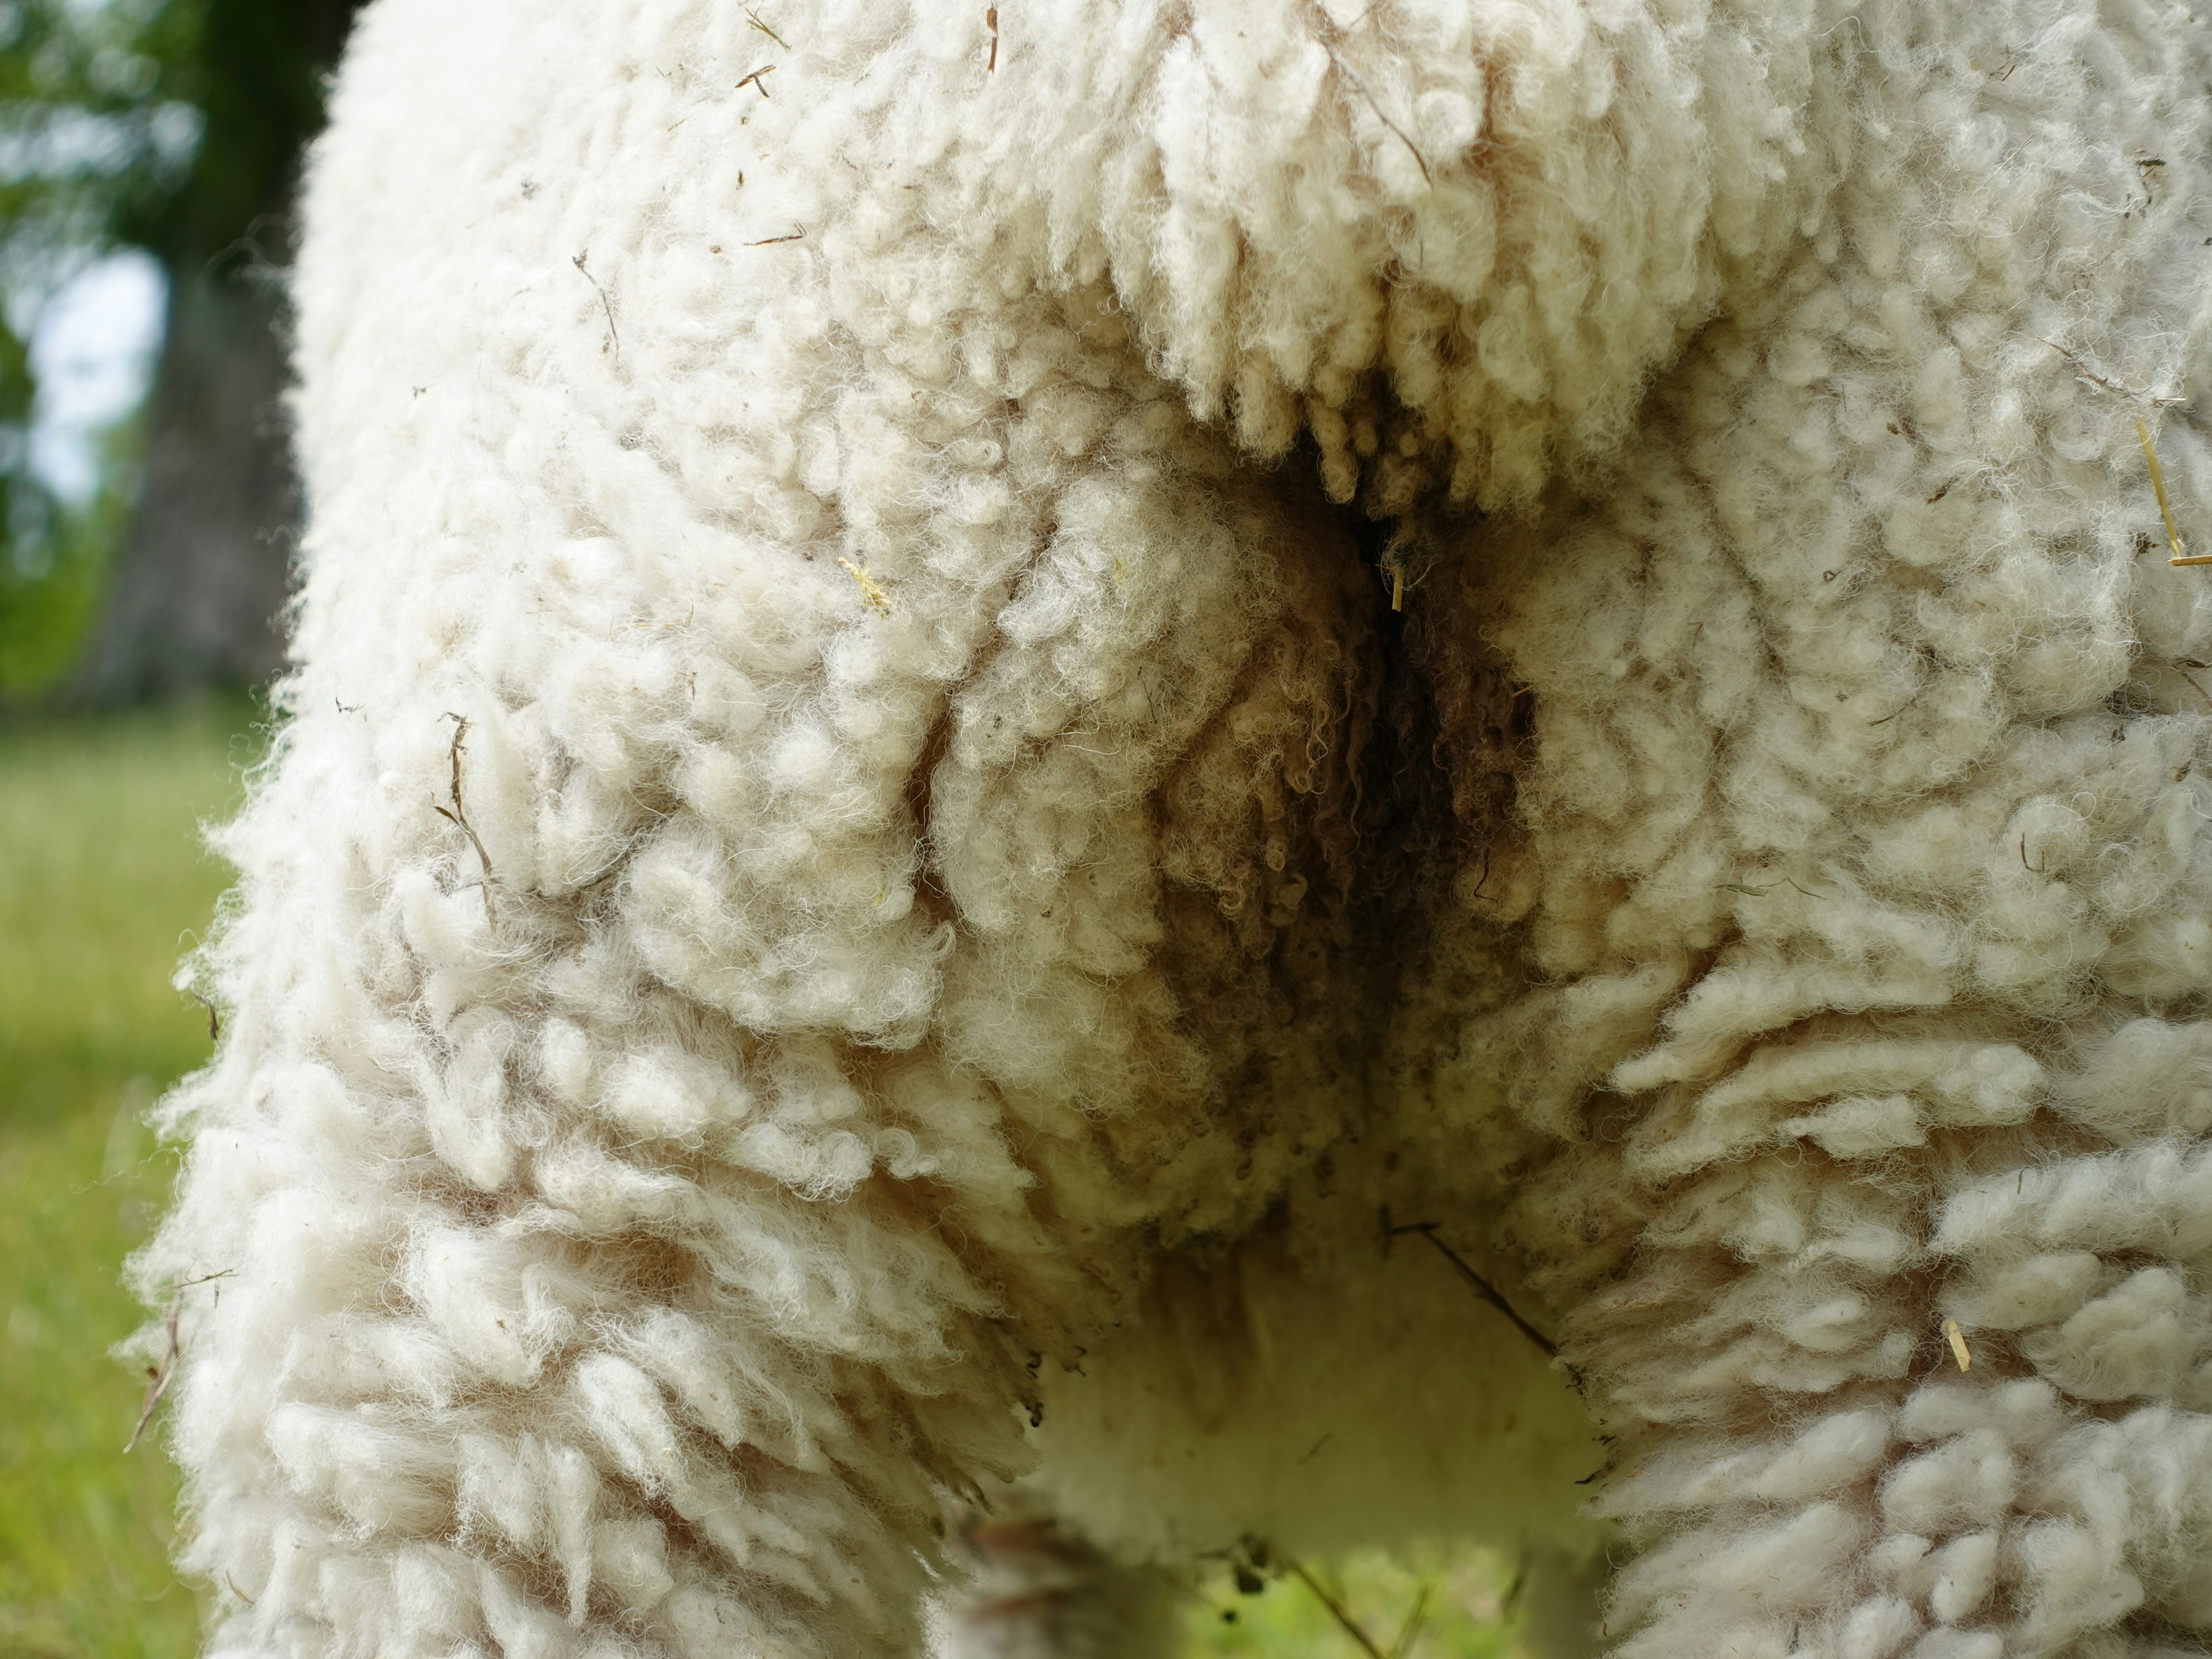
<point>1035,1592</point>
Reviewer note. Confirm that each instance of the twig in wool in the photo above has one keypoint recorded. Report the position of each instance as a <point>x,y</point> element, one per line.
<point>1351,1625</point>
<point>1404,563</point>
<point>1410,1631</point>
<point>2081,368</point>
<point>1481,1287</point>
<point>2181,554</point>
<point>1761,893</point>
<point>158,1377</point>
<point>2146,168</point>
<point>1958,1339</point>
<point>872,590</point>
<point>605,304</point>
<point>1360,87</point>
<point>1396,572</point>
<point>234,1589</point>
<point>755,80</point>
<point>797,235</point>
<point>459,817</point>
<point>215,1019</point>
<point>991,21</point>
<point>2181,666</point>
<point>753,17</point>
<point>1482,880</point>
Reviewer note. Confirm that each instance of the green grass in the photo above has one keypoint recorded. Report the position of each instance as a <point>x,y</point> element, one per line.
<point>1423,1604</point>
<point>102,885</point>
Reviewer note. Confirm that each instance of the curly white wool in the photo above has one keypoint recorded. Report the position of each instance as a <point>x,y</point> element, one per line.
<point>858,861</point>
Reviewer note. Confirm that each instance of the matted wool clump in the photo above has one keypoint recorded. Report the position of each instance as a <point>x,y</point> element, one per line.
<point>1075,783</point>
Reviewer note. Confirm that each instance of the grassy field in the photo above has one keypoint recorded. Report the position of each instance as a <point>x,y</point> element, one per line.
<point>103,885</point>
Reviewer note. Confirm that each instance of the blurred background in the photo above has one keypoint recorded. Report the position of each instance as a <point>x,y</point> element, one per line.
<point>148,156</point>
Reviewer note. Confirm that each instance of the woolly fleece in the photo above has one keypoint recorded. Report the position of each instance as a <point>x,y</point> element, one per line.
<point>863,893</point>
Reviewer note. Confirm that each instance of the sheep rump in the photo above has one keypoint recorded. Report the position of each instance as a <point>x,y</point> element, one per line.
<point>970,685</point>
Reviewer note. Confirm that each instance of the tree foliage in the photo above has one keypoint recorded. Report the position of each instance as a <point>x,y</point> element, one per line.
<point>99,126</point>
<point>172,126</point>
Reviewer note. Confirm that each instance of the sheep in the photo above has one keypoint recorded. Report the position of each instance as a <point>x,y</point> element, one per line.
<point>1069,784</point>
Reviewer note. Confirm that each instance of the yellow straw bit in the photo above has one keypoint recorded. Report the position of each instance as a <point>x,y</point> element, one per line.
<point>871,589</point>
<point>2181,554</point>
<point>1393,566</point>
<point>1958,1345</point>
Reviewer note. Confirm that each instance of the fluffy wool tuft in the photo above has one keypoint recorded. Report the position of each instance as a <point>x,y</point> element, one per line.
<point>1003,718</point>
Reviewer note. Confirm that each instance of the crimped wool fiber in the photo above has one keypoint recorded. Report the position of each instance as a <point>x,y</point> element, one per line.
<point>971,683</point>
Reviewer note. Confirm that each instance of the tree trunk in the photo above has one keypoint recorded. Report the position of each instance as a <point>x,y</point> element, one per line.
<point>201,578</point>
<point>199,586</point>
